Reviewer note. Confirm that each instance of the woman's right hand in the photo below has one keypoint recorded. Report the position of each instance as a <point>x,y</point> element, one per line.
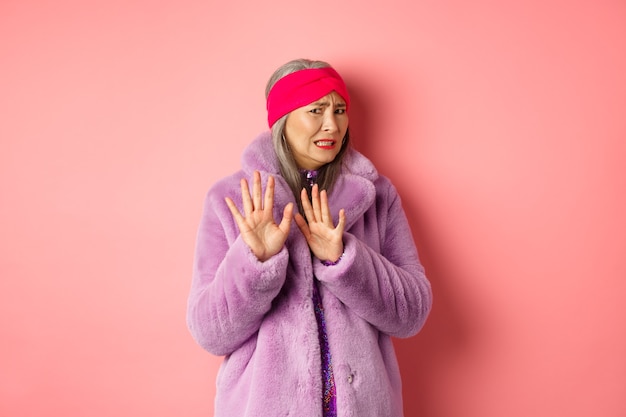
<point>257,226</point>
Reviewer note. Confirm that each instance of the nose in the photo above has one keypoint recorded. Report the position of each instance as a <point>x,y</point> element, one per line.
<point>330,124</point>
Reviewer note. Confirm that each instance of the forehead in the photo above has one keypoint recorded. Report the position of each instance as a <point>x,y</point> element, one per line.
<point>331,98</point>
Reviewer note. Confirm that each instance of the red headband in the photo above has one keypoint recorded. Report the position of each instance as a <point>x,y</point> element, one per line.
<point>301,88</point>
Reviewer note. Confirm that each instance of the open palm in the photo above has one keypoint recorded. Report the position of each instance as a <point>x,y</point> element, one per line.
<point>257,225</point>
<point>324,239</point>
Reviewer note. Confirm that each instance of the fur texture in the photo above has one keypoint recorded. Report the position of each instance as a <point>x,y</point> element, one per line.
<point>260,315</point>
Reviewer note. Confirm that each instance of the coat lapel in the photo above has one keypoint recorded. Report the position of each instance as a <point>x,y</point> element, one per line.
<point>354,194</point>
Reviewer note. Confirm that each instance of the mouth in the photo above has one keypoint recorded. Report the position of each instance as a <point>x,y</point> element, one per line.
<point>325,143</point>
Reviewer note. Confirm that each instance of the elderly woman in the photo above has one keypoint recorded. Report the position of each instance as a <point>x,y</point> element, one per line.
<point>304,314</point>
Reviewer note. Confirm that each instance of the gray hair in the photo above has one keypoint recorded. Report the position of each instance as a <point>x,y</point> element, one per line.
<point>327,174</point>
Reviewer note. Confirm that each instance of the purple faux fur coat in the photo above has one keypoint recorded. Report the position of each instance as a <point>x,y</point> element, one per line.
<point>260,315</point>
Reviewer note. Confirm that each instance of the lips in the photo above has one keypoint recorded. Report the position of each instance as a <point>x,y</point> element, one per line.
<point>325,143</point>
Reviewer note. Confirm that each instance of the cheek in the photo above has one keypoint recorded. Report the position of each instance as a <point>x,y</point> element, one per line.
<point>311,125</point>
<point>344,125</point>
<point>300,125</point>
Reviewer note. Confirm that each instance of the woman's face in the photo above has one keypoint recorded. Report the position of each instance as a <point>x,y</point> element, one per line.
<point>315,132</point>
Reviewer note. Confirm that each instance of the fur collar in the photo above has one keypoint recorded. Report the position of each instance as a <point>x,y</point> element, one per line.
<point>354,191</point>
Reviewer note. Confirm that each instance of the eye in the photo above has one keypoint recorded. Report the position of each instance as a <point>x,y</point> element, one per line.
<point>316,110</point>
<point>340,111</point>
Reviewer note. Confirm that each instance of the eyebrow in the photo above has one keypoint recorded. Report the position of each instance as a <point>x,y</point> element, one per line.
<point>325,103</point>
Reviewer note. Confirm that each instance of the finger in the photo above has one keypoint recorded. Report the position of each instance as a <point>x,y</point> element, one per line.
<point>256,191</point>
<point>269,197</point>
<point>245,196</point>
<point>234,211</point>
<point>325,210</point>
<point>306,205</point>
<point>315,201</point>
<point>285,223</point>
<point>341,225</point>
<point>303,226</point>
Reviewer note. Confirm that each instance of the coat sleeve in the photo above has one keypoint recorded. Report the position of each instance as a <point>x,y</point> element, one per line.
<point>387,288</point>
<point>231,289</point>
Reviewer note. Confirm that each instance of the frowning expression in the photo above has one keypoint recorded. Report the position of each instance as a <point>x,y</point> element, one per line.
<point>315,132</point>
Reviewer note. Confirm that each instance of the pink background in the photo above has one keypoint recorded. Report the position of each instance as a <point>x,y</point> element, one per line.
<point>503,125</point>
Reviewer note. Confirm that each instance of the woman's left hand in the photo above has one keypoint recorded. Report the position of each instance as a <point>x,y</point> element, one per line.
<point>324,239</point>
